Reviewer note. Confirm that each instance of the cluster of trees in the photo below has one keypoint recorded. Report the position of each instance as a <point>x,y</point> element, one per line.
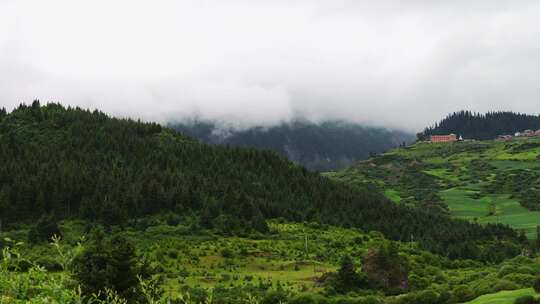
<point>382,269</point>
<point>522,184</point>
<point>482,126</point>
<point>325,146</point>
<point>74,163</point>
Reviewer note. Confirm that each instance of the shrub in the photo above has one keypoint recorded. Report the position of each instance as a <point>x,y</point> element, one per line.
<point>227,253</point>
<point>427,297</point>
<point>303,299</point>
<point>505,285</point>
<point>463,293</point>
<point>525,270</point>
<point>225,277</point>
<point>172,253</point>
<point>274,297</point>
<point>369,300</point>
<point>44,230</point>
<point>524,280</point>
<point>536,285</point>
<point>172,219</point>
<point>525,300</point>
<point>418,283</point>
<point>506,270</point>
<point>343,301</point>
<point>49,263</point>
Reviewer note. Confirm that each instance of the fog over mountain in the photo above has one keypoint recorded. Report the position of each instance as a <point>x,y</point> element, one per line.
<point>385,63</point>
<point>325,146</point>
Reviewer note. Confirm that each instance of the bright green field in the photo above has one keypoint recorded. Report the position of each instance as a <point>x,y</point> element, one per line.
<point>443,174</point>
<point>469,177</point>
<point>392,195</point>
<point>502,297</point>
<point>508,211</point>
<point>515,164</point>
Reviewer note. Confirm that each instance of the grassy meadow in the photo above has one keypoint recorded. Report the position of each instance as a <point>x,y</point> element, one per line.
<point>481,181</point>
<point>503,297</point>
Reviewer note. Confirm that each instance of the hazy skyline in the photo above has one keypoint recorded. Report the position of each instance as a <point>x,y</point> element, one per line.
<point>399,64</point>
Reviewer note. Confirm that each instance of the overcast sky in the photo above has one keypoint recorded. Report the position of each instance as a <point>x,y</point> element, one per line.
<point>400,64</point>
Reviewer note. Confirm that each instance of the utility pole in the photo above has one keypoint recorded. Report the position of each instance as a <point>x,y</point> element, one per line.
<point>305,245</point>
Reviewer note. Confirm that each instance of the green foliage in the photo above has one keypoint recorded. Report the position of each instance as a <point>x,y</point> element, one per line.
<point>385,268</point>
<point>483,126</point>
<point>463,293</point>
<point>107,263</point>
<point>525,300</point>
<point>482,182</point>
<point>83,164</point>
<point>35,285</point>
<point>43,231</point>
<point>347,278</point>
<point>536,285</point>
<point>174,262</point>
<point>227,253</point>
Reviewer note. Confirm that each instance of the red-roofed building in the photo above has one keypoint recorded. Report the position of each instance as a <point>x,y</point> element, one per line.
<point>443,138</point>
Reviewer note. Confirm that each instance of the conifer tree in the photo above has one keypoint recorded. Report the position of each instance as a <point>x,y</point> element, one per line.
<point>347,278</point>
<point>538,237</point>
<point>107,263</point>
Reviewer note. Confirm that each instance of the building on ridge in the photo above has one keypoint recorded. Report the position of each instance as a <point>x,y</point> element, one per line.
<point>443,138</point>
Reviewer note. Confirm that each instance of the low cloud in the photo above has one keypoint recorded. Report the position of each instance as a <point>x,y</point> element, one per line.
<point>399,64</point>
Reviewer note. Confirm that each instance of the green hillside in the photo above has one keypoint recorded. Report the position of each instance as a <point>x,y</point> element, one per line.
<point>97,210</point>
<point>481,181</point>
<point>73,163</point>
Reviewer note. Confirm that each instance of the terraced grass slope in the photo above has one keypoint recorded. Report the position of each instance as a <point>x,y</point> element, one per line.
<point>503,297</point>
<point>482,181</point>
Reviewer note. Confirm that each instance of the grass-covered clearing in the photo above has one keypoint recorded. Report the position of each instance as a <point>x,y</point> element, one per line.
<point>507,210</point>
<point>503,297</point>
<point>392,195</point>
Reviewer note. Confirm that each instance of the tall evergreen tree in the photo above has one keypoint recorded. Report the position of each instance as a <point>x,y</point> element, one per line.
<point>347,277</point>
<point>107,263</point>
<point>538,237</point>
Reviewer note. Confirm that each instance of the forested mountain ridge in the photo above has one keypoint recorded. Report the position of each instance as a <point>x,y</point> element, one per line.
<point>75,163</point>
<point>325,146</point>
<point>482,126</point>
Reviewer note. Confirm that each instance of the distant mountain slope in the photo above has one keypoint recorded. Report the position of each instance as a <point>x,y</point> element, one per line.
<point>482,126</point>
<point>75,163</point>
<point>483,181</point>
<point>326,146</point>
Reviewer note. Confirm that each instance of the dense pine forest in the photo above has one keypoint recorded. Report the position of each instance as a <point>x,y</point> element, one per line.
<point>482,126</point>
<point>74,163</point>
<point>325,146</point>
